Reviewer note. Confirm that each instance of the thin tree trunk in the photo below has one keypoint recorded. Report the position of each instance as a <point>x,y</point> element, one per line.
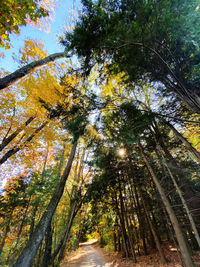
<point>179,235</point>
<point>130,233</point>
<point>140,217</point>
<point>48,246</point>
<point>185,142</point>
<point>158,245</point>
<point>28,254</point>
<point>6,232</point>
<point>121,219</point>
<point>64,239</point>
<point>130,239</point>
<point>74,208</point>
<point>8,139</point>
<point>115,235</point>
<point>35,208</point>
<point>19,233</point>
<point>21,72</point>
<point>189,194</point>
<point>39,258</point>
<point>193,225</point>
<point>32,224</point>
<point>136,234</point>
<point>67,232</point>
<point>17,148</point>
<point>119,248</point>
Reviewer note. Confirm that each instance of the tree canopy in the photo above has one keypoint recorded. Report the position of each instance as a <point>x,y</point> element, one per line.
<point>157,39</point>
<point>103,143</point>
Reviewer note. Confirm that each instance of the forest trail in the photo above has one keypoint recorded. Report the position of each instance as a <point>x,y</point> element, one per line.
<point>87,256</point>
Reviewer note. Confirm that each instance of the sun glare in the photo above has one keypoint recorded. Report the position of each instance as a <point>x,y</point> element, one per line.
<point>121,152</point>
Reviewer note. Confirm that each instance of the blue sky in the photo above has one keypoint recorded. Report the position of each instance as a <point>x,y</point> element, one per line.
<point>63,17</point>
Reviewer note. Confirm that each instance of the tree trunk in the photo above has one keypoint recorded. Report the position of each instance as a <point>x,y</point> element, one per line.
<point>13,77</point>
<point>32,224</point>
<point>6,232</point>
<point>67,232</point>
<point>14,150</point>
<point>124,235</point>
<point>19,233</point>
<point>136,234</point>
<point>4,238</point>
<point>48,246</point>
<point>179,235</point>
<point>158,245</point>
<point>8,139</point>
<point>193,225</point>
<point>185,142</point>
<point>62,244</point>
<point>28,254</point>
<point>119,247</point>
<point>115,237</point>
<point>139,215</point>
<point>188,192</point>
<point>130,239</point>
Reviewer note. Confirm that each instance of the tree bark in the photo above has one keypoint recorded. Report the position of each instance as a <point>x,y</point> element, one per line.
<point>67,232</point>
<point>6,231</point>
<point>158,245</point>
<point>48,246</point>
<point>139,214</point>
<point>19,233</point>
<point>28,254</point>
<point>193,225</point>
<point>33,215</point>
<point>124,235</point>
<point>179,235</point>
<point>185,142</point>
<point>130,239</point>
<point>187,190</point>
<point>21,72</point>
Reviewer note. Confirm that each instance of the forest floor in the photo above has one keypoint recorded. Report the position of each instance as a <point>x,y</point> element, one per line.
<point>93,256</point>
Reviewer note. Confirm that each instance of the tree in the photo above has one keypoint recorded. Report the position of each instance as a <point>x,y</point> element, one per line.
<point>21,72</point>
<point>134,132</point>
<point>28,254</point>
<point>16,13</point>
<point>18,135</point>
<point>155,39</point>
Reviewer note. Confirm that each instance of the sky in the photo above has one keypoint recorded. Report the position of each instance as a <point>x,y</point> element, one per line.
<point>63,17</point>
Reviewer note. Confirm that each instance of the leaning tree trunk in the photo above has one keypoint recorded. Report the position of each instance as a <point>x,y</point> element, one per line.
<point>28,254</point>
<point>195,153</point>
<point>62,244</point>
<point>139,214</point>
<point>188,192</point>
<point>67,232</point>
<point>16,75</point>
<point>19,233</point>
<point>152,228</point>
<point>48,246</point>
<point>8,139</point>
<point>17,148</point>
<point>193,225</point>
<point>6,232</point>
<point>179,235</point>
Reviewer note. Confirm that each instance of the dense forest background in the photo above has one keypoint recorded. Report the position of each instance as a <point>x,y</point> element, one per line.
<point>101,140</point>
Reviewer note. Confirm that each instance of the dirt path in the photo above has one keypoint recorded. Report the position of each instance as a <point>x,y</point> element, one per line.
<point>87,256</point>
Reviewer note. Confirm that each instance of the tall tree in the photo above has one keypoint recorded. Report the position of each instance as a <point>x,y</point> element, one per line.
<point>141,39</point>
